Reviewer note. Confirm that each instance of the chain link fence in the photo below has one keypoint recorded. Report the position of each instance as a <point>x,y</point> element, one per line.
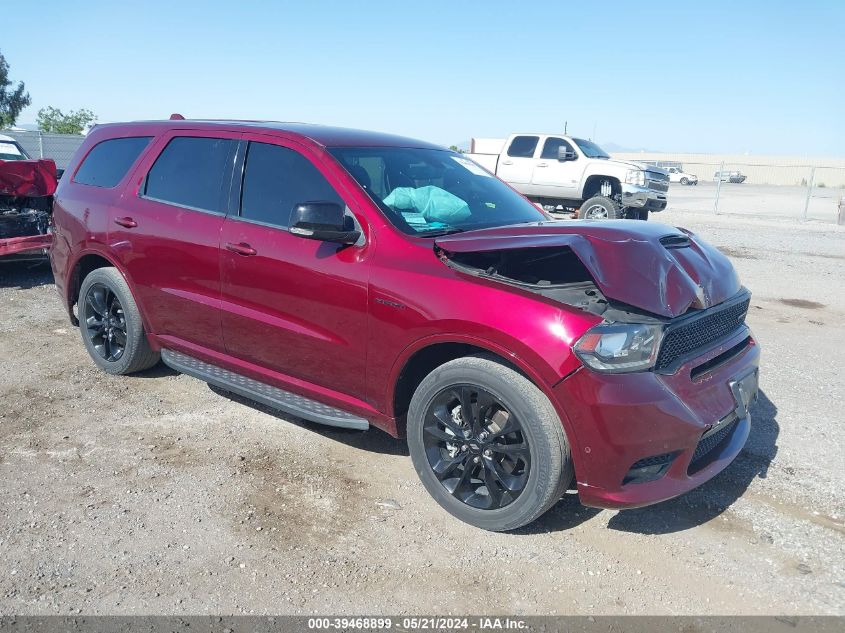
<point>800,190</point>
<point>59,147</point>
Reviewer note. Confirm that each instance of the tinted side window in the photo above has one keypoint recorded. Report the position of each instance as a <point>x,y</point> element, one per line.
<point>193,172</point>
<point>523,146</point>
<point>551,146</point>
<point>108,162</point>
<point>276,179</point>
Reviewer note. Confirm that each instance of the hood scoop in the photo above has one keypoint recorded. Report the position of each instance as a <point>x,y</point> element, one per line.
<point>647,265</point>
<point>674,241</point>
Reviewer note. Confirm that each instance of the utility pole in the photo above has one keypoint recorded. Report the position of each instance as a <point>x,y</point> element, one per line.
<point>565,124</point>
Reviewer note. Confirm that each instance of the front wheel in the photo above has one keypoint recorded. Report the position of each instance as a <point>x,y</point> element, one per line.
<point>487,444</point>
<point>600,208</point>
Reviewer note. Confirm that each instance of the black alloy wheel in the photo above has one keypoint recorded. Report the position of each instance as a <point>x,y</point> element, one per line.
<point>476,447</point>
<point>105,325</point>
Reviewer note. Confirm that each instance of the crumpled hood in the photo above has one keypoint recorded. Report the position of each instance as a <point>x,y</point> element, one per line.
<point>31,178</point>
<point>648,265</point>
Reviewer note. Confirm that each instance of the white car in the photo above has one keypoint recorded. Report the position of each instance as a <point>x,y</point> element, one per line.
<point>676,174</point>
<point>10,149</point>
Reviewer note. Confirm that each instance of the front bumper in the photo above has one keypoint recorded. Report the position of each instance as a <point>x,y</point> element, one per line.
<point>643,198</point>
<point>618,421</point>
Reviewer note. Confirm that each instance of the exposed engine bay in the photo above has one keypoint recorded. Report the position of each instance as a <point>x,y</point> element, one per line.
<point>23,216</point>
<point>553,272</point>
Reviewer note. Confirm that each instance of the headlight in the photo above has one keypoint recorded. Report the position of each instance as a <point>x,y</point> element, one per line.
<point>620,347</point>
<point>635,177</point>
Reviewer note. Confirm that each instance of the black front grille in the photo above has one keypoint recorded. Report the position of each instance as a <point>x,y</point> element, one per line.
<point>657,186</point>
<point>708,444</point>
<point>699,332</point>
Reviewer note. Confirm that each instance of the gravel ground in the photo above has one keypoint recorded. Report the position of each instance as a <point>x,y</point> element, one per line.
<point>157,494</point>
<point>749,199</point>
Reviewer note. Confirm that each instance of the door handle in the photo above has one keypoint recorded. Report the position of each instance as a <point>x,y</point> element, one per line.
<point>127,222</point>
<point>542,164</point>
<point>242,249</point>
<point>507,162</point>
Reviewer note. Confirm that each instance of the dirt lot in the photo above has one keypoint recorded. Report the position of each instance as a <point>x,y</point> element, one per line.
<point>158,494</point>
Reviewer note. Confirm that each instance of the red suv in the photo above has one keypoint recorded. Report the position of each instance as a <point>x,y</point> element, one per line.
<point>355,279</point>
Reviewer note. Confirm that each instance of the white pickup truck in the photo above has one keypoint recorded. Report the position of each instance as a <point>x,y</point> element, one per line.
<point>554,171</point>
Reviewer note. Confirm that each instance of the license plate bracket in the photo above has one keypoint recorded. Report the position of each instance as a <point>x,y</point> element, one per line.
<point>745,388</point>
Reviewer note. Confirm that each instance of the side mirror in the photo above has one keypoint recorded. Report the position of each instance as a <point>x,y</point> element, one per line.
<point>564,154</point>
<point>324,221</point>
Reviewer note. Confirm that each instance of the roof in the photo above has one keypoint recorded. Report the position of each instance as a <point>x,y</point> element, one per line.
<point>324,135</point>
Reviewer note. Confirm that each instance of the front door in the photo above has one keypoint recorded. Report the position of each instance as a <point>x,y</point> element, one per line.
<point>292,305</point>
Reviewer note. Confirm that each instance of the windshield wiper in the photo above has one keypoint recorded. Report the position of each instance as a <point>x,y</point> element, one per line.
<point>439,232</point>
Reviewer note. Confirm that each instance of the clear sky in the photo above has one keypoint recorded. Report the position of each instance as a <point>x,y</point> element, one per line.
<point>708,76</point>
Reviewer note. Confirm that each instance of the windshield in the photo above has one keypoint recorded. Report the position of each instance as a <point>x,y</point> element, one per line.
<point>429,192</point>
<point>11,151</point>
<point>590,149</point>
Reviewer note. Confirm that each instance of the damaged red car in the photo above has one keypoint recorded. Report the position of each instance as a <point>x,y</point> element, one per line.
<point>26,203</point>
<point>358,279</point>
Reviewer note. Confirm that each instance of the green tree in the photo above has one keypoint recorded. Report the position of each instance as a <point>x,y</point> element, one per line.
<point>12,99</point>
<point>52,119</point>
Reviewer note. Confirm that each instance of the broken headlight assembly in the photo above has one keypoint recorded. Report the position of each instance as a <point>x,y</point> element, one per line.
<point>620,347</point>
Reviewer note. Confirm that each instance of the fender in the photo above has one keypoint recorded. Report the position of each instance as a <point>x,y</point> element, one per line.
<point>520,363</point>
<point>96,248</point>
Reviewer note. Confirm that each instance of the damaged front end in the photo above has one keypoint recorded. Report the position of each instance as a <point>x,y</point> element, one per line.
<point>654,286</point>
<point>26,206</point>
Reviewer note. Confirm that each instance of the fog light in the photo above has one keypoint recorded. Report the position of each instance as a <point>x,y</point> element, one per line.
<point>649,469</point>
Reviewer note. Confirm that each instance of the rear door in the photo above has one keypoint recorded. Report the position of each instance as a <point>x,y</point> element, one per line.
<point>167,232</point>
<point>516,164</point>
<point>292,305</point>
<point>555,178</point>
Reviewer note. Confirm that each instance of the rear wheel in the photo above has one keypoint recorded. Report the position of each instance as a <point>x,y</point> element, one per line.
<point>111,326</point>
<point>600,208</point>
<point>684,181</point>
<point>487,444</point>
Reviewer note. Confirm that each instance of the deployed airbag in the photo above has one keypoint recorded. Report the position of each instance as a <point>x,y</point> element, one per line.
<point>433,203</point>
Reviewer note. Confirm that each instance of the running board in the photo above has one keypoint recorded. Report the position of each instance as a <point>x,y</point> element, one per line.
<point>269,395</point>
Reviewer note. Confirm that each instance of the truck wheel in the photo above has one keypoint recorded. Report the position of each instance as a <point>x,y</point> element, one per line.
<point>600,208</point>
<point>487,444</point>
<point>637,214</point>
<point>111,325</point>
<point>684,181</point>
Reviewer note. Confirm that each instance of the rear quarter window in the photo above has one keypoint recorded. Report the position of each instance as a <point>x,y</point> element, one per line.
<point>194,172</point>
<point>108,162</point>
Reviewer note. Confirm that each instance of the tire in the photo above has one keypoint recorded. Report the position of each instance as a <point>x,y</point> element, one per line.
<point>599,208</point>
<point>638,214</point>
<point>684,181</point>
<point>105,292</point>
<point>544,472</point>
